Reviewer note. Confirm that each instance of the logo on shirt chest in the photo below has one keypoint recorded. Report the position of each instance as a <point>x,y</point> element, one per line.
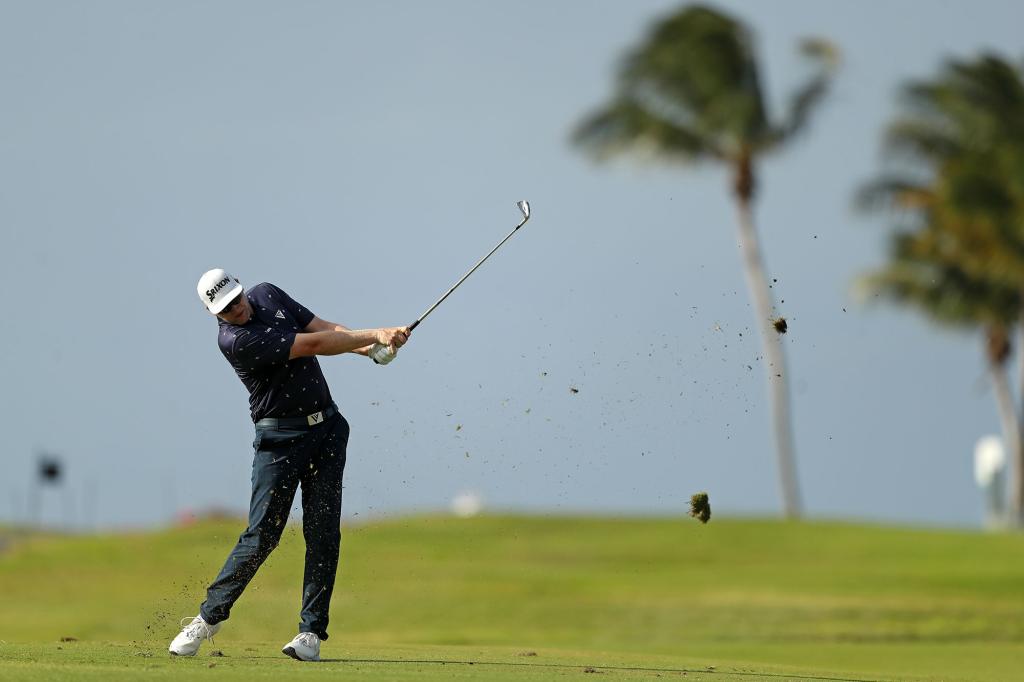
<point>279,315</point>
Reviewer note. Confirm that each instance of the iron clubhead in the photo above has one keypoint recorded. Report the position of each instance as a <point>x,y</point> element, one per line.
<point>524,208</point>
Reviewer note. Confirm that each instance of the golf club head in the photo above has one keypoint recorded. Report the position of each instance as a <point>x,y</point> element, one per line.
<point>524,208</point>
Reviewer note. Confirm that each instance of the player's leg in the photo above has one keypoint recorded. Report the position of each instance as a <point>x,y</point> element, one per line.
<point>321,526</point>
<point>275,476</point>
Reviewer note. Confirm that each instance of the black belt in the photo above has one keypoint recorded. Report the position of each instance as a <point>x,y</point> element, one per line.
<point>314,419</point>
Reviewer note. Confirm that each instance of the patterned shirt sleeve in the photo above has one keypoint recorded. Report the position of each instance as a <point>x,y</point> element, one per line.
<point>254,350</point>
<point>303,316</point>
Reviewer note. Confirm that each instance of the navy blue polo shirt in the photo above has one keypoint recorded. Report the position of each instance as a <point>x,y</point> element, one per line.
<point>258,351</point>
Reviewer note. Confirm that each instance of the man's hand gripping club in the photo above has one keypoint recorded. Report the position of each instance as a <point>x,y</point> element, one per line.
<point>388,343</point>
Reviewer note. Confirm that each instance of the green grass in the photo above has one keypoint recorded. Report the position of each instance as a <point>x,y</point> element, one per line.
<point>423,598</point>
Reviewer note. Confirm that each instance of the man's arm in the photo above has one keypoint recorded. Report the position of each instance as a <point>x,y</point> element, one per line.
<point>338,341</point>
<point>318,325</point>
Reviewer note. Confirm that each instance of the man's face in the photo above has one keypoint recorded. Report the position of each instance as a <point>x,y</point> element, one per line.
<point>238,311</point>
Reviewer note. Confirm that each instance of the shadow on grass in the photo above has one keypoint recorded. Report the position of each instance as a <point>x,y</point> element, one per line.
<point>596,668</point>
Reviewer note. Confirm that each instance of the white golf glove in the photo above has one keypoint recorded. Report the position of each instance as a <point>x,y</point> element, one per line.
<point>381,354</point>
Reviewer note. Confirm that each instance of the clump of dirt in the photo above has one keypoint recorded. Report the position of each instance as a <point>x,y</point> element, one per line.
<point>217,652</point>
<point>780,325</point>
<point>527,653</point>
<point>69,639</point>
<point>700,507</point>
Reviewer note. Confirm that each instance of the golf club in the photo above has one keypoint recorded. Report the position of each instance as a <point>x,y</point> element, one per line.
<point>382,354</point>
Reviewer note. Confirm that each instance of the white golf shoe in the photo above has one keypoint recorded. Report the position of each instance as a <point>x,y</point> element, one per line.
<point>191,636</point>
<point>305,647</point>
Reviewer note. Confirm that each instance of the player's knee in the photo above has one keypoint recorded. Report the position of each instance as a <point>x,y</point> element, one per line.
<point>263,539</point>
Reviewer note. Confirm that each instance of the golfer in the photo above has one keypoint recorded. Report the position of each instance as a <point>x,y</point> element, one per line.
<point>272,343</point>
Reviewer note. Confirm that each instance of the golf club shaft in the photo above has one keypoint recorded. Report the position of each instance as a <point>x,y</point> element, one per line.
<point>472,270</point>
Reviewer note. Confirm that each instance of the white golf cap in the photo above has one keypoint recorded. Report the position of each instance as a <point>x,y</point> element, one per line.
<point>216,288</point>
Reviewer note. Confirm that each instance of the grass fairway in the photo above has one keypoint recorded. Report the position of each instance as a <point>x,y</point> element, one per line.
<point>523,598</point>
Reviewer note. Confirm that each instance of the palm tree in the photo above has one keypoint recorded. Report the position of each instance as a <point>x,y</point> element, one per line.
<point>692,92</point>
<point>923,273</point>
<point>963,133</point>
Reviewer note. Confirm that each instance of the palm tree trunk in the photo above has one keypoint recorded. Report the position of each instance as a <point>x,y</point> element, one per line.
<point>1017,454</point>
<point>778,378</point>
<point>1009,421</point>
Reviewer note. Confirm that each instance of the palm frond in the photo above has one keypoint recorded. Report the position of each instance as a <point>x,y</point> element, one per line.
<point>825,57</point>
<point>692,89</point>
<point>625,125</point>
<point>924,140</point>
<point>893,192</point>
<point>994,88</point>
<point>703,62</point>
<point>945,293</point>
<point>972,106</point>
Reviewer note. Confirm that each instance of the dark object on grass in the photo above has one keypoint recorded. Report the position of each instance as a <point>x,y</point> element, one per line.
<point>69,639</point>
<point>700,507</point>
<point>780,325</point>
<point>217,652</point>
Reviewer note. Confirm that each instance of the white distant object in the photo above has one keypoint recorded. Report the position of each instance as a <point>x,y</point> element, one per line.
<point>990,475</point>
<point>467,504</point>
<point>989,460</point>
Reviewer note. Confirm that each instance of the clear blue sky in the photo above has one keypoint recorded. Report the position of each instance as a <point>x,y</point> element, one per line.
<point>362,156</point>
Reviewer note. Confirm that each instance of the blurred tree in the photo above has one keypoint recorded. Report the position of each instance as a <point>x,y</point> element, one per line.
<point>692,92</point>
<point>962,257</point>
<point>922,274</point>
